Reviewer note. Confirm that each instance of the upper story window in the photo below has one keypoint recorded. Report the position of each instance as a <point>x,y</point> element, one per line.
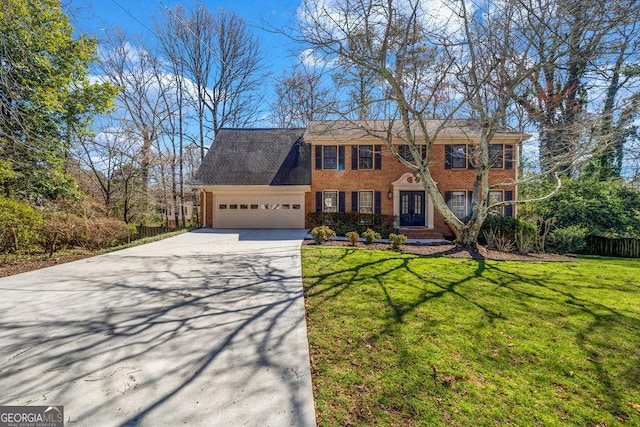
<point>455,156</point>
<point>501,156</point>
<point>366,157</point>
<point>329,157</point>
<point>496,156</point>
<point>405,152</point>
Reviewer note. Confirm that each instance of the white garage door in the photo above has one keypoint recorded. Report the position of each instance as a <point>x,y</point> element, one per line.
<point>258,211</point>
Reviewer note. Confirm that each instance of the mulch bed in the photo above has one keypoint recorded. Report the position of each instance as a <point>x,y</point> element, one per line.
<point>29,264</point>
<point>453,251</point>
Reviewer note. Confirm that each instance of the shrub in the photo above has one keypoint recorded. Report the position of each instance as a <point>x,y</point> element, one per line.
<point>397,240</point>
<point>370,236</point>
<point>526,236</point>
<point>505,226</point>
<point>498,241</point>
<point>322,233</point>
<point>343,222</point>
<point>19,225</point>
<point>566,239</point>
<point>106,232</point>
<point>62,230</point>
<point>353,237</point>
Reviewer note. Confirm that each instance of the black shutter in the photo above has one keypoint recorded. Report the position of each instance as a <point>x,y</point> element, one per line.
<point>423,152</point>
<point>508,209</point>
<point>354,201</point>
<point>448,158</point>
<point>508,156</point>
<point>377,202</point>
<point>341,158</point>
<point>469,154</point>
<point>341,201</point>
<point>469,204</point>
<point>354,157</point>
<point>318,157</point>
<point>447,197</point>
<point>318,201</point>
<point>377,157</point>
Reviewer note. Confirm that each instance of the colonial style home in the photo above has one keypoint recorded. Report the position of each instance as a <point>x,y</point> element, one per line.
<point>272,177</point>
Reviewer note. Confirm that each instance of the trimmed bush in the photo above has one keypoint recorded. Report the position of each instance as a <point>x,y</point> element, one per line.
<point>371,236</point>
<point>397,240</point>
<point>322,233</point>
<point>353,237</point>
<point>564,240</point>
<point>343,222</point>
<point>19,225</point>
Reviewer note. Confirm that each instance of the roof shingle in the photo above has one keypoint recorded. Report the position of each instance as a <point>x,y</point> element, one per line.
<point>256,157</point>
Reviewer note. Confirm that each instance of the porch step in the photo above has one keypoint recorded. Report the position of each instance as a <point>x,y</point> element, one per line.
<point>420,233</point>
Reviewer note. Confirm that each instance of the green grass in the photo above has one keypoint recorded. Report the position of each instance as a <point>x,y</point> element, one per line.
<point>399,339</point>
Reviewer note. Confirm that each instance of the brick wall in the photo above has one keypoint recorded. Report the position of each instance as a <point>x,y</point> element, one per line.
<point>349,180</point>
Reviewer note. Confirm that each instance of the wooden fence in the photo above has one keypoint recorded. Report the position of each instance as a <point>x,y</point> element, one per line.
<point>619,247</point>
<point>146,231</point>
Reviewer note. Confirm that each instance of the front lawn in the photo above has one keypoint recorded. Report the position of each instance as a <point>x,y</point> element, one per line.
<point>398,339</point>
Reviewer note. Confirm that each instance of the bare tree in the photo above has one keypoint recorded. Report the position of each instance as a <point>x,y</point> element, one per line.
<point>136,71</point>
<point>301,97</point>
<point>481,52</point>
<point>110,161</point>
<point>223,60</point>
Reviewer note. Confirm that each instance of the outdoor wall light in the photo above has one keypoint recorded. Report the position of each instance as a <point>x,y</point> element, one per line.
<point>390,194</point>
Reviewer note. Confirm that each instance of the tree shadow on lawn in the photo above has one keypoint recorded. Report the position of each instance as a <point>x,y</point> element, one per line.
<point>535,294</point>
<point>188,340</point>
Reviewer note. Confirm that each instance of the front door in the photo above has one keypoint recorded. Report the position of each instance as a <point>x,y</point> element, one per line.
<point>411,208</point>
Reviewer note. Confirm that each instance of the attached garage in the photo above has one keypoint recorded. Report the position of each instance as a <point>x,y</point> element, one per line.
<point>265,207</point>
<point>255,178</point>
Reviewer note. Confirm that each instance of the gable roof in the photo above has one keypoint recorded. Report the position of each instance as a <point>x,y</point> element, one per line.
<point>256,157</point>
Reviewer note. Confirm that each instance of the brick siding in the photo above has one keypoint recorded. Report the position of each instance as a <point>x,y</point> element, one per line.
<point>349,180</point>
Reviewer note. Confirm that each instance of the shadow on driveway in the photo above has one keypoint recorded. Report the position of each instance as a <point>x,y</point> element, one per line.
<point>199,329</point>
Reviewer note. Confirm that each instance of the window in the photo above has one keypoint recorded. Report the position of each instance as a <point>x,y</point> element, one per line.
<point>286,206</point>
<point>296,206</point>
<point>365,157</point>
<point>496,156</point>
<point>365,202</point>
<point>495,196</point>
<point>455,156</point>
<point>244,206</point>
<point>330,157</point>
<point>233,206</point>
<point>458,203</point>
<point>222,206</point>
<point>254,206</point>
<point>405,152</point>
<point>329,201</point>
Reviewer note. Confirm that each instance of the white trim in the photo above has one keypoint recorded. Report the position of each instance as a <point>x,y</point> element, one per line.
<point>411,182</point>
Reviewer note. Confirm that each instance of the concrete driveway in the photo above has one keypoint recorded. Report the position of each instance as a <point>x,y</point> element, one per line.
<point>206,328</point>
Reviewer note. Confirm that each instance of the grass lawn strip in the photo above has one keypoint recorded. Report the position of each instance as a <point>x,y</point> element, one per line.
<point>397,339</point>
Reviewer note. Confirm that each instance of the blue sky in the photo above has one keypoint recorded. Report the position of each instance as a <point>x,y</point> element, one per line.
<point>137,16</point>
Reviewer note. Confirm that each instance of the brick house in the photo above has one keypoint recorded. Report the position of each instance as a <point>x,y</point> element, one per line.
<point>350,170</point>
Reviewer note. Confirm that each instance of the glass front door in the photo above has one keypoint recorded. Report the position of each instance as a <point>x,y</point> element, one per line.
<point>412,208</point>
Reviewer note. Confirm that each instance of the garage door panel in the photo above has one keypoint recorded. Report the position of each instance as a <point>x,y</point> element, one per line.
<point>259,211</point>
